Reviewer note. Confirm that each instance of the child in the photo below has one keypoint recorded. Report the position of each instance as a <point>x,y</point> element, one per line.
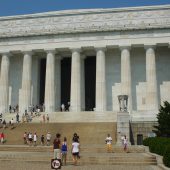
<point>64,151</point>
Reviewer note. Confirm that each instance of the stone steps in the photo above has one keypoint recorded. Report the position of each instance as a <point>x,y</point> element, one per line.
<point>86,159</point>
<point>90,133</point>
<point>71,117</point>
<point>88,156</point>
<point>84,149</point>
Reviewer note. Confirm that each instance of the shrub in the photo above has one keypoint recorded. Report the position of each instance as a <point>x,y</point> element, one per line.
<point>166,156</point>
<point>157,144</point>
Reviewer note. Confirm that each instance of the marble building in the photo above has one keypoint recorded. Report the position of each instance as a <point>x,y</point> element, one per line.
<point>87,57</point>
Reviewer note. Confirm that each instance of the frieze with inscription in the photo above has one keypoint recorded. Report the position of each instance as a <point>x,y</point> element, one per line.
<point>88,22</point>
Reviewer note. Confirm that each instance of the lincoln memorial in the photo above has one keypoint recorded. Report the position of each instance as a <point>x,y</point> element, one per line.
<point>86,57</point>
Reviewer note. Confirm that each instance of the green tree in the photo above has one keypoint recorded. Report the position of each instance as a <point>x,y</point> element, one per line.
<point>163,128</point>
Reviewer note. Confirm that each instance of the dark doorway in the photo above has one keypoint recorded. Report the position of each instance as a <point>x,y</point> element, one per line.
<point>90,83</point>
<point>139,139</point>
<point>65,80</point>
<point>42,80</point>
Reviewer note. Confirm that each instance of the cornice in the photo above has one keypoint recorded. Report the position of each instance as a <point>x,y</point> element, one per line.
<point>91,20</point>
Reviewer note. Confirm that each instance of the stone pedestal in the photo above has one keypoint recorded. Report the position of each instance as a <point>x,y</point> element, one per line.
<point>123,126</point>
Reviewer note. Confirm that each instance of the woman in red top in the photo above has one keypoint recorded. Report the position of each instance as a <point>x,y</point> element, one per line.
<point>2,136</point>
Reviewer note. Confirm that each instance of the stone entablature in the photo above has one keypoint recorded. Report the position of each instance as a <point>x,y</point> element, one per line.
<point>80,21</point>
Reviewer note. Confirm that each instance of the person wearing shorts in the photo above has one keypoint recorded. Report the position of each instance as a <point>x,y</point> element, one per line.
<point>64,151</point>
<point>75,150</point>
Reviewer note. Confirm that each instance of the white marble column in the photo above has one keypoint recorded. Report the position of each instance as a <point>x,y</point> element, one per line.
<point>82,83</point>
<point>152,96</point>
<point>126,74</point>
<point>50,82</point>
<point>4,83</point>
<point>58,82</point>
<point>75,103</point>
<point>26,81</point>
<point>100,80</point>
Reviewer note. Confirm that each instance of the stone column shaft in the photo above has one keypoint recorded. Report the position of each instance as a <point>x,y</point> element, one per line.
<point>50,82</point>
<point>152,96</point>
<point>58,82</point>
<point>4,83</point>
<point>75,102</point>
<point>100,80</point>
<point>126,75</point>
<point>26,81</point>
<point>82,83</point>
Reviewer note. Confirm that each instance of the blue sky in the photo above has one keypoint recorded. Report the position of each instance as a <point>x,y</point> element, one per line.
<point>18,7</point>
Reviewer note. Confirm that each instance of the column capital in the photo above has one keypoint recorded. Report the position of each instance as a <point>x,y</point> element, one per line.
<point>27,52</point>
<point>50,50</point>
<point>58,57</point>
<point>100,48</point>
<point>147,46</point>
<point>79,50</point>
<point>83,56</point>
<point>125,47</point>
<point>7,53</point>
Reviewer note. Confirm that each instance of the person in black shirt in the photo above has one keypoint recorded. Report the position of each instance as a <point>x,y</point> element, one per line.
<point>57,147</point>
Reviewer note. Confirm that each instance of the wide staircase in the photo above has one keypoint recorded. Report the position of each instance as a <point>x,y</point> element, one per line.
<point>92,139</point>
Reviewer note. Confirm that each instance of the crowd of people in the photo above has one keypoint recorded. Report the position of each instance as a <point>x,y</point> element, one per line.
<point>31,139</point>
<point>61,148</point>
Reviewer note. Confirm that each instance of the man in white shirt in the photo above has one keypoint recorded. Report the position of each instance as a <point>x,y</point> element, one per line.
<point>108,141</point>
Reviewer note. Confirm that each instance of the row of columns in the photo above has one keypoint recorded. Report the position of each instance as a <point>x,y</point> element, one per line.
<point>77,95</point>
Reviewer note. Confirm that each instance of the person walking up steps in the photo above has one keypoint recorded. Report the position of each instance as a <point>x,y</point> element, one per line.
<point>75,150</point>
<point>35,139</point>
<point>57,147</point>
<point>64,151</point>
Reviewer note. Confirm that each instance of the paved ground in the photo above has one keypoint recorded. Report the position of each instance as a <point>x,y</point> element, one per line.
<point>20,165</point>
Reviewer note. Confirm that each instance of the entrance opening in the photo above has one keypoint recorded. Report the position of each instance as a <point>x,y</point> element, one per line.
<point>139,139</point>
<point>42,80</point>
<point>65,80</point>
<point>90,83</point>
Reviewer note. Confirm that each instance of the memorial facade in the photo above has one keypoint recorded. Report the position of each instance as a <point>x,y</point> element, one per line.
<point>88,58</point>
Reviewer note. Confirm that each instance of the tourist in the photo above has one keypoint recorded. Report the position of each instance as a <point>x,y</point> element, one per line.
<point>12,123</point>
<point>47,117</point>
<point>30,138</point>
<point>63,107</point>
<point>57,147</point>
<point>25,138</point>
<point>75,136</point>
<point>17,118</point>
<point>42,140</point>
<point>75,150</point>
<point>108,141</point>
<point>0,117</point>
<point>2,137</point>
<point>10,109</point>
<point>125,142</point>
<point>35,139</point>
<point>48,138</point>
<point>4,124</point>
<point>43,118</point>
<point>64,151</point>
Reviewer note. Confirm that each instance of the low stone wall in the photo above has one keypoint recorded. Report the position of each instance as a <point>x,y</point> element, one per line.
<point>141,130</point>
